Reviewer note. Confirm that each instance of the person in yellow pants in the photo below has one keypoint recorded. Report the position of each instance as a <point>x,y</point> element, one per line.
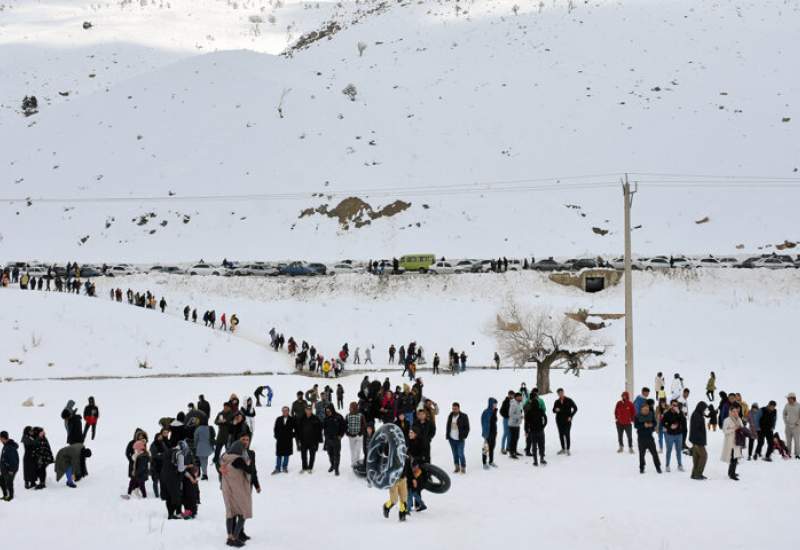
<point>398,491</point>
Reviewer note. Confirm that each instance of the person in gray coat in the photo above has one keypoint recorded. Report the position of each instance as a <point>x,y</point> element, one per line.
<point>516,415</point>
<point>791,420</point>
<point>204,439</point>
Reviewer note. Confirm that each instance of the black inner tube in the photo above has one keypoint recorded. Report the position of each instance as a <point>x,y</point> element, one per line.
<point>386,456</point>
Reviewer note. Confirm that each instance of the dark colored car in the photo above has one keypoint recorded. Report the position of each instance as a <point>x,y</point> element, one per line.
<point>296,269</point>
<point>547,265</point>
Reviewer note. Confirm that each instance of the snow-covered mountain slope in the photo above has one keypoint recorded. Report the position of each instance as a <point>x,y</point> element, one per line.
<point>446,95</point>
<point>51,335</point>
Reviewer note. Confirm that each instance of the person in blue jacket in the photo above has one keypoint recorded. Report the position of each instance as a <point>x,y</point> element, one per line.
<point>641,399</point>
<point>9,465</point>
<point>489,433</point>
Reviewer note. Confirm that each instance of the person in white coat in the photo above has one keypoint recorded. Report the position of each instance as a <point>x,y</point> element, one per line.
<point>731,449</point>
<point>660,384</point>
<point>516,414</point>
<point>791,420</point>
<point>677,387</point>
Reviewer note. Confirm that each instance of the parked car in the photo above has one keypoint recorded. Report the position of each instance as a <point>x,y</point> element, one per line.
<point>203,269</point>
<point>90,271</point>
<point>773,262</point>
<point>548,264</point>
<point>442,268</point>
<point>340,269</point>
<point>318,269</point>
<point>481,266</point>
<point>118,271</point>
<point>659,262</point>
<point>582,263</point>
<point>514,265</point>
<point>296,269</point>
<point>709,262</point>
<point>680,261</point>
<point>465,266</point>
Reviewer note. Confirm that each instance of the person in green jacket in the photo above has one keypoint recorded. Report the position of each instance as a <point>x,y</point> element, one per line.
<point>69,463</point>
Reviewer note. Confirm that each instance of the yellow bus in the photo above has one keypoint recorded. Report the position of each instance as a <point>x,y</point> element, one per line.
<point>417,262</point>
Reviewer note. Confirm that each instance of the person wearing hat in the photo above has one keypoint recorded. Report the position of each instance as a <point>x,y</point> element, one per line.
<point>791,420</point>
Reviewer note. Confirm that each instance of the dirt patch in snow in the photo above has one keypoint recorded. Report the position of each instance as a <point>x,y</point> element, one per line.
<point>356,212</point>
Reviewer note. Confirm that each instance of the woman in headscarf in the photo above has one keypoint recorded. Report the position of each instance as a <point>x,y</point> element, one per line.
<point>172,469</point>
<point>236,469</point>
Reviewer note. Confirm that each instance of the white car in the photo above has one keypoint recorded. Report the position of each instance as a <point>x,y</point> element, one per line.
<point>709,262</point>
<point>772,263</point>
<point>465,266</point>
<point>119,270</point>
<point>514,265</point>
<point>659,263</point>
<point>442,268</point>
<point>729,262</point>
<point>203,269</point>
<point>619,263</point>
<point>680,261</point>
<point>340,269</point>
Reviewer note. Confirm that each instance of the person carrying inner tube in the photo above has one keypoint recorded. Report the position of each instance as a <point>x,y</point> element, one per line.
<point>399,492</point>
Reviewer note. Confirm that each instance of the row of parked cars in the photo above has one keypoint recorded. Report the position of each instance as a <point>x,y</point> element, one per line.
<point>418,263</point>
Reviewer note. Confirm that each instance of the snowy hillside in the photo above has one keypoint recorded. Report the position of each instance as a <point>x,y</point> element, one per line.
<point>684,323</point>
<point>446,95</point>
<point>51,335</point>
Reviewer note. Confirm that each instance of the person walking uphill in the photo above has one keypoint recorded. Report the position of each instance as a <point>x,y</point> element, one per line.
<point>697,437</point>
<point>237,489</point>
<point>284,434</point>
<point>9,465</point>
<point>91,413</point>
<point>456,432</point>
<point>625,414</point>
<point>564,408</point>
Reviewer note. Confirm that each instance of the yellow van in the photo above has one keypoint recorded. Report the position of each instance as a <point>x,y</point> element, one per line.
<point>417,262</point>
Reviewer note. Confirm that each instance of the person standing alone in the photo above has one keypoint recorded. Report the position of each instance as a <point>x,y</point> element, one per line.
<point>564,408</point>
<point>697,437</point>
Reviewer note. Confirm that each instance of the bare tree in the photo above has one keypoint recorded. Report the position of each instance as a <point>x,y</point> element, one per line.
<point>552,342</point>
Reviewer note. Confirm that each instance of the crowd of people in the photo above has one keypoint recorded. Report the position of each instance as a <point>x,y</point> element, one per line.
<point>743,426</point>
<point>37,455</point>
<point>67,280</point>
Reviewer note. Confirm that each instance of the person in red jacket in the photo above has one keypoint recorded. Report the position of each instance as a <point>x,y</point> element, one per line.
<point>624,414</point>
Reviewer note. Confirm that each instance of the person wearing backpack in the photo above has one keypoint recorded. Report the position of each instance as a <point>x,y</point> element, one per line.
<point>204,438</point>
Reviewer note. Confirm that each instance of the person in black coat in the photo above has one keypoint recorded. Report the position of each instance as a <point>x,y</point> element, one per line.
<point>309,434</point>
<point>427,431</point>
<point>564,408</point>
<point>74,424</point>
<point>28,460</point>
<point>535,422</point>
<point>203,405</point>
<point>456,431</point>
<point>172,469</point>
<point>284,433</point>
<point>697,437</point>
<point>91,413</point>
<point>769,415</point>
<point>334,428</point>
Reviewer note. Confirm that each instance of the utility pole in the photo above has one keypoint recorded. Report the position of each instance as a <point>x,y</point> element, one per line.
<point>628,196</point>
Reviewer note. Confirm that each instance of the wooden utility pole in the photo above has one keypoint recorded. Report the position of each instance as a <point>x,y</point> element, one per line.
<point>628,196</point>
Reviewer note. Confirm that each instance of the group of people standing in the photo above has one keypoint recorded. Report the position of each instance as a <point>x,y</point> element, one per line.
<point>743,426</point>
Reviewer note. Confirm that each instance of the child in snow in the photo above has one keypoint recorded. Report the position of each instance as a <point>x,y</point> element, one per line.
<point>712,418</point>
<point>780,446</point>
<point>415,482</point>
<point>191,492</point>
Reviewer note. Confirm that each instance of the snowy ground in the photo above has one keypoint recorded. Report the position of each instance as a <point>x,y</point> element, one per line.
<point>593,499</point>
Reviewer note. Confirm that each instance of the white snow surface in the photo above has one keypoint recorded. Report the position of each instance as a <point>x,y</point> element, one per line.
<point>448,95</point>
<point>738,323</point>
